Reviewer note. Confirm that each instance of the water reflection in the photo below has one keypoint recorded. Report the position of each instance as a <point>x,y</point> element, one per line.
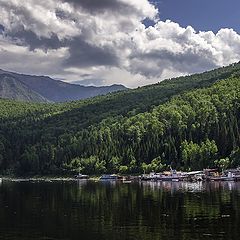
<point>192,186</point>
<point>175,186</point>
<point>110,210</point>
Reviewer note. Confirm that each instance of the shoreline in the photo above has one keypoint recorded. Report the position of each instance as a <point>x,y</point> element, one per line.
<point>42,179</point>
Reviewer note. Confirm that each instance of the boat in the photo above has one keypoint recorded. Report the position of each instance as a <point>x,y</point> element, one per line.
<point>81,177</point>
<point>126,181</point>
<point>128,178</point>
<point>109,177</point>
<point>223,178</point>
<point>234,173</point>
<point>173,176</point>
<point>231,175</point>
<point>48,180</point>
<point>145,177</point>
<point>150,177</point>
<point>237,178</point>
<point>194,176</point>
<point>199,177</point>
<point>228,175</point>
<point>211,174</point>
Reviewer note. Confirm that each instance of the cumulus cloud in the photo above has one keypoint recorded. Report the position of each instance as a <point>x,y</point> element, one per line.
<point>117,7</point>
<point>19,59</point>
<point>106,40</point>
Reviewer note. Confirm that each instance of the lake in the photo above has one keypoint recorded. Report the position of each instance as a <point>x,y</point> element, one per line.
<point>107,210</point>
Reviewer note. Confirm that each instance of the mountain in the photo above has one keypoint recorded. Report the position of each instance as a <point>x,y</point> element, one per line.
<point>189,122</point>
<point>11,88</point>
<point>48,89</point>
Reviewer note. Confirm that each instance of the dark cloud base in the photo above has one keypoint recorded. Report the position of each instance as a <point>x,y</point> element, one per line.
<point>100,6</point>
<point>30,39</point>
<point>83,54</point>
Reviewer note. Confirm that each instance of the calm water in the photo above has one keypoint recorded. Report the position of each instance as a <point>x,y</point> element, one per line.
<point>104,211</point>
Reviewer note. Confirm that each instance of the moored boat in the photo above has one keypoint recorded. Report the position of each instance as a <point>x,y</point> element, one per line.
<point>194,176</point>
<point>109,177</point>
<point>228,175</point>
<point>211,174</point>
<point>173,176</point>
<point>234,173</point>
<point>237,178</point>
<point>151,176</point>
<point>126,181</point>
<point>81,177</point>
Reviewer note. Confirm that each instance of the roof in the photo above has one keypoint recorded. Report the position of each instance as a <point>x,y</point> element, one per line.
<point>193,173</point>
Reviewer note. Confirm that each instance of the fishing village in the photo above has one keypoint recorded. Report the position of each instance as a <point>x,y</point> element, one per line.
<point>172,175</point>
<point>206,175</point>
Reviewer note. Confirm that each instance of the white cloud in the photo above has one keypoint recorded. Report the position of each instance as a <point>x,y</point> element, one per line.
<point>106,40</point>
<point>19,59</point>
<point>36,16</point>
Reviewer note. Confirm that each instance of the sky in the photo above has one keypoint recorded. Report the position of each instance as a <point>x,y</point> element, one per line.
<point>202,15</point>
<point>129,42</point>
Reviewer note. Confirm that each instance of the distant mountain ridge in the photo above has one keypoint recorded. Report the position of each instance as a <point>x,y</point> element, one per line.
<point>45,89</point>
<point>11,88</point>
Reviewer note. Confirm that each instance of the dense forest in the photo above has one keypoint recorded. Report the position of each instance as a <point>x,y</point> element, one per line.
<point>189,123</point>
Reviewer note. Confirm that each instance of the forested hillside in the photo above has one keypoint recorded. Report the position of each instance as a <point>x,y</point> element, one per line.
<point>189,122</point>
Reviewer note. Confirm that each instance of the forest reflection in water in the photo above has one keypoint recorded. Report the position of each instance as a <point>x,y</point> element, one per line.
<point>110,210</point>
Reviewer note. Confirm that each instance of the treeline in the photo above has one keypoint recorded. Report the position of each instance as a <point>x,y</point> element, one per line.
<point>139,130</point>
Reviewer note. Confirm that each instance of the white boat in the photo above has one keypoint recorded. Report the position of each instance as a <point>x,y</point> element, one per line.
<point>151,176</point>
<point>81,177</point>
<point>127,181</point>
<point>230,177</point>
<point>109,177</point>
